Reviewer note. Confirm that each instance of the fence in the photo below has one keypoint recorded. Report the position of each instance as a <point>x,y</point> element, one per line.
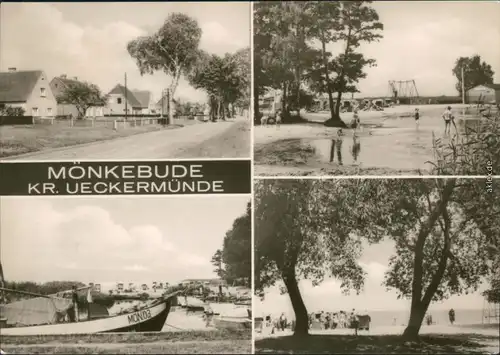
<point>15,120</point>
<point>108,121</point>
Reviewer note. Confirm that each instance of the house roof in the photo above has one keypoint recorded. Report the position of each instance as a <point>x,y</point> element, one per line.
<point>158,104</point>
<point>67,81</point>
<point>17,86</point>
<point>120,89</point>
<point>144,97</point>
<point>493,86</point>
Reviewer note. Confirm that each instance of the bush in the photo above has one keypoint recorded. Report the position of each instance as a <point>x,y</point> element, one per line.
<point>6,110</point>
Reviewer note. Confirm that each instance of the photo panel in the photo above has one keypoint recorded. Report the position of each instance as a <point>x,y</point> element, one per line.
<point>375,88</point>
<point>126,274</point>
<point>376,266</point>
<point>111,80</point>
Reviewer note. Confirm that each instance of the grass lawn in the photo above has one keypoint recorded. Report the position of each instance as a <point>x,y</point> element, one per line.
<point>382,344</point>
<point>193,342</point>
<point>31,138</point>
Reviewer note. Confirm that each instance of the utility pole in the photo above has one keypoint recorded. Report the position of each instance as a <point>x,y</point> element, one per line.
<point>162,106</point>
<point>169,114</point>
<point>2,285</point>
<point>126,101</point>
<point>463,86</point>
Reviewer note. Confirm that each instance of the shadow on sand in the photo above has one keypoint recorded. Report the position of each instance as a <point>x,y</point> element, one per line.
<point>382,344</point>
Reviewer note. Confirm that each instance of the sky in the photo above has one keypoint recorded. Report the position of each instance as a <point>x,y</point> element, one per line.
<point>114,239</point>
<point>88,40</point>
<point>422,40</point>
<point>374,297</point>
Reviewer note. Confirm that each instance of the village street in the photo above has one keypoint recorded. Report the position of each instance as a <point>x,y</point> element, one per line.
<point>224,139</point>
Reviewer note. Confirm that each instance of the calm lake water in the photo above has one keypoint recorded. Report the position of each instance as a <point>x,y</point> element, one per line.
<point>396,144</point>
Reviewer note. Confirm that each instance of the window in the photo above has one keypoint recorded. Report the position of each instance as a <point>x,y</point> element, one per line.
<point>49,111</point>
<point>34,111</point>
<point>42,92</point>
<point>119,100</point>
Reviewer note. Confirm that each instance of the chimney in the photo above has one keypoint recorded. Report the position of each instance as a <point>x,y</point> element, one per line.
<point>64,76</point>
<point>75,77</point>
<point>12,70</point>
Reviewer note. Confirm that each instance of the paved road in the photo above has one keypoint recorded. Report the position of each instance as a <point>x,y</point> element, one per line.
<point>183,142</point>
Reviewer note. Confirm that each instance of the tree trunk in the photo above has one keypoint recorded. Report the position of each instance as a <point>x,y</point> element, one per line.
<point>342,78</point>
<point>327,76</point>
<point>256,108</point>
<point>284,99</point>
<point>299,308</point>
<point>420,305</point>
<point>416,318</point>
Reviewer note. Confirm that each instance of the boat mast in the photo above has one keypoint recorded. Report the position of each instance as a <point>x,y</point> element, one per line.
<point>2,285</point>
<point>24,293</point>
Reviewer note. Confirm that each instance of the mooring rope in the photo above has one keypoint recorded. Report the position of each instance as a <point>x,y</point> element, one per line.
<point>174,326</point>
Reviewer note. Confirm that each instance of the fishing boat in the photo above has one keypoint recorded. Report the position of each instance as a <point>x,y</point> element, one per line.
<point>42,316</point>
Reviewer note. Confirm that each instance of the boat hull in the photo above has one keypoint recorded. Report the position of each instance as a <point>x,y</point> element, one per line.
<point>150,319</point>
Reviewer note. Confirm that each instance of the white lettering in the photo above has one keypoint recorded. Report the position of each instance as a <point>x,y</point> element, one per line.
<point>76,172</point>
<point>144,172</point>
<point>60,175</point>
<point>196,171</point>
<point>128,172</point>
<point>34,187</point>
<point>218,186</point>
<point>179,171</point>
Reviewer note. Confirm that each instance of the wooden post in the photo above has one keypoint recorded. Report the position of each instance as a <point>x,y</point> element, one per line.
<point>115,125</point>
<point>463,86</point>
<point>170,107</point>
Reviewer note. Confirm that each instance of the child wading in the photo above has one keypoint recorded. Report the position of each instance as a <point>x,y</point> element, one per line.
<point>417,117</point>
<point>448,119</point>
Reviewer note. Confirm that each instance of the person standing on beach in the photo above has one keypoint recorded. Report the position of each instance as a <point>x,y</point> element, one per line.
<point>417,117</point>
<point>451,315</point>
<point>448,118</point>
<point>74,297</point>
<point>354,320</point>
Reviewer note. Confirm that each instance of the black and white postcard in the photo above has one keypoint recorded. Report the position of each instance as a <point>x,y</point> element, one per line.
<point>131,80</point>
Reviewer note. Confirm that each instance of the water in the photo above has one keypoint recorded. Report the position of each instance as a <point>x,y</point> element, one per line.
<point>439,317</point>
<point>397,144</point>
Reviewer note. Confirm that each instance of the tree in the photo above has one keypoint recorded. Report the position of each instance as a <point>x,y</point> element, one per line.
<point>310,229</point>
<point>325,30</point>
<point>83,95</point>
<point>360,23</point>
<point>172,49</point>
<point>240,97</point>
<point>440,250</point>
<point>225,79</point>
<point>237,249</point>
<point>280,49</point>
<point>218,263</point>
<point>475,73</point>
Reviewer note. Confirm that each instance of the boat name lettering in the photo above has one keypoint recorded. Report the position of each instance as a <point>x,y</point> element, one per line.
<point>139,316</point>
